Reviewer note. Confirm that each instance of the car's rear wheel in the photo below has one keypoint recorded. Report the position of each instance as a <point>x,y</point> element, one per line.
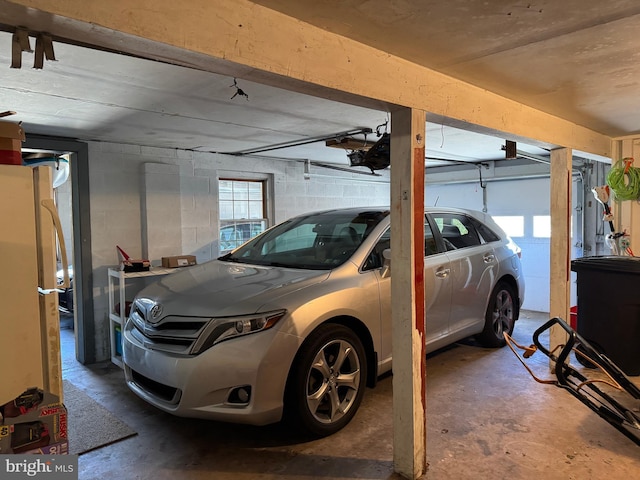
<point>327,381</point>
<point>500,316</point>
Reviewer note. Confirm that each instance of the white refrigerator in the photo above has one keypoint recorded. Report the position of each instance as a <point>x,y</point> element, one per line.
<point>29,319</point>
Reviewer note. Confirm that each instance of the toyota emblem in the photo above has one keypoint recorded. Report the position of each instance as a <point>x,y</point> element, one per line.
<point>156,311</point>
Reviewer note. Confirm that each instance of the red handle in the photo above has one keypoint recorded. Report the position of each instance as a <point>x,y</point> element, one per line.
<point>123,253</point>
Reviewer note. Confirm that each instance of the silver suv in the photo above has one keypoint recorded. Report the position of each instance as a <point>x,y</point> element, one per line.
<point>297,321</point>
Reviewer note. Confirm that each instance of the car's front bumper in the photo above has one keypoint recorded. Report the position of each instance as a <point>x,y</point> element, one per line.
<point>202,386</point>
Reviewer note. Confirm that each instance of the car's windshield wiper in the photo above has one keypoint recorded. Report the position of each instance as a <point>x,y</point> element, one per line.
<point>262,262</point>
<point>253,261</point>
<point>229,258</point>
<point>279,264</point>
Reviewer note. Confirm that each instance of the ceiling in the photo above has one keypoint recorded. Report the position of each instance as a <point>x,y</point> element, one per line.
<point>576,59</point>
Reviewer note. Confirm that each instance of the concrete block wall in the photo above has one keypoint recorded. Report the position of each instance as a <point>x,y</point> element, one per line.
<point>161,216</point>
<point>198,186</point>
<point>134,189</point>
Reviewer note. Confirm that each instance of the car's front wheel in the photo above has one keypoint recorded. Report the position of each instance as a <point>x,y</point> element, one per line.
<point>327,380</point>
<point>500,316</point>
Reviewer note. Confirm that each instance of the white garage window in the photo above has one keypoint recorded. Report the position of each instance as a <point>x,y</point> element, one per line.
<point>242,211</point>
<point>513,225</point>
<point>542,226</point>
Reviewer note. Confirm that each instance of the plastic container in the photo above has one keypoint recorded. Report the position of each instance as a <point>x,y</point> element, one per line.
<point>573,317</point>
<point>118,340</point>
<point>608,310</point>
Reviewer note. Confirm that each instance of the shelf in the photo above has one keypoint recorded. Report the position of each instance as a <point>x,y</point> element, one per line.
<point>117,360</point>
<point>147,273</point>
<point>118,286</point>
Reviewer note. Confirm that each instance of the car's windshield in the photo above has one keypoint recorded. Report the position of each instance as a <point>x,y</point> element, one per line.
<point>319,241</point>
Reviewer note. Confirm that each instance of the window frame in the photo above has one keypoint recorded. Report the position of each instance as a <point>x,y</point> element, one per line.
<point>262,223</point>
<point>470,224</point>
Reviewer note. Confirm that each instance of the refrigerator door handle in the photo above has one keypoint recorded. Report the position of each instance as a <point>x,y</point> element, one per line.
<point>51,207</point>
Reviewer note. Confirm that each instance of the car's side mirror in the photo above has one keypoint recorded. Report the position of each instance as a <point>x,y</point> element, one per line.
<point>386,263</point>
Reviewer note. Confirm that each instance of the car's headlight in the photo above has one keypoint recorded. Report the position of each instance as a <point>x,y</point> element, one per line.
<point>221,329</point>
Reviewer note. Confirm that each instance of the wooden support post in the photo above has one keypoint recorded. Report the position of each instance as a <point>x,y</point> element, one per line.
<point>407,292</point>
<point>627,213</point>
<point>560,281</point>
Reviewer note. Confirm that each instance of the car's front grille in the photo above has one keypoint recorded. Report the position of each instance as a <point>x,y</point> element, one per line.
<point>170,334</point>
<point>160,390</point>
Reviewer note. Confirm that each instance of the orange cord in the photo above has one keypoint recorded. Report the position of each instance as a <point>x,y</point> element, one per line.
<point>627,164</point>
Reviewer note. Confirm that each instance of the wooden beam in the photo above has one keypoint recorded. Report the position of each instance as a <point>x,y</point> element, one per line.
<point>243,39</point>
<point>560,256</point>
<point>407,292</point>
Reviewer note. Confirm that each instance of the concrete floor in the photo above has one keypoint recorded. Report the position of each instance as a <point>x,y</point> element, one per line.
<point>486,419</point>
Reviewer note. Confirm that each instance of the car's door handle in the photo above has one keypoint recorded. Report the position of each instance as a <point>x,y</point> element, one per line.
<point>489,258</point>
<point>443,272</point>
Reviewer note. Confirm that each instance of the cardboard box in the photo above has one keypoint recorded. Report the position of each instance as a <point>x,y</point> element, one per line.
<point>11,130</point>
<point>11,138</point>
<point>34,422</point>
<point>178,261</point>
